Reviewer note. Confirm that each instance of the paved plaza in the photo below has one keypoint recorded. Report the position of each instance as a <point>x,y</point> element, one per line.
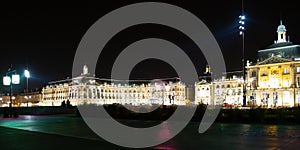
<point>67,131</point>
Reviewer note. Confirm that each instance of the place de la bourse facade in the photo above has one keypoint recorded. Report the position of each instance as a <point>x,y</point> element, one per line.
<point>273,81</point>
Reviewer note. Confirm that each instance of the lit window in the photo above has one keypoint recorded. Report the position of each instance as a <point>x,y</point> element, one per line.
<point>298,81</point>
<point>286,71</point>
<point>264,73</point>
<point>239,91</point>
<point>298,69</point>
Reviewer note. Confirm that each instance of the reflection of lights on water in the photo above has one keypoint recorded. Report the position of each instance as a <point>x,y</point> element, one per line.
<point>271,130</point>
<point>28,117</point>
<point>164,132</point>
<point>165,147</point>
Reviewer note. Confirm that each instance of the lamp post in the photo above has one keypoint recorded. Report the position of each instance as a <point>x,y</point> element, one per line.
<point>27,75</point>
<point>9,79</point>
<point>242,22</point>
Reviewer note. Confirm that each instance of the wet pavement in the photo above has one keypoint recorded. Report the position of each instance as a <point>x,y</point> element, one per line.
<point>62,131</point>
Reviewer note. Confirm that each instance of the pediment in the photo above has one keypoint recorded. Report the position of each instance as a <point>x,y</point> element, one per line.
<point>273,60</point>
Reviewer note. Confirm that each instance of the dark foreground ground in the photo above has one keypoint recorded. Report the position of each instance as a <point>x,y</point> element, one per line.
<point>70,132</point>
<point>163,112</point>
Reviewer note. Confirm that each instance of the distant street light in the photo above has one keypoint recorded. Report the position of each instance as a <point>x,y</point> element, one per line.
<point>27,75</point>
<point>9,79</point>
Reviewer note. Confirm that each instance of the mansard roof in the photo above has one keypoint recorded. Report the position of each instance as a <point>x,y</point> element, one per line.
<point>283,44</point>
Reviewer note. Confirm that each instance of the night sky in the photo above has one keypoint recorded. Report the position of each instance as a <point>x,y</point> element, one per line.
<point>44,36</point>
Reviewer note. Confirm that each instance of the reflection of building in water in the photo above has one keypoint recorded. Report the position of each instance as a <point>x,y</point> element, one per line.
<point>274,79</point>
<point>90,90</point>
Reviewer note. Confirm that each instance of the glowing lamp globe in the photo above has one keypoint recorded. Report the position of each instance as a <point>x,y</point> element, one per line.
<point>15,79</point>
<point>27,74</point>
<point>6,80</point>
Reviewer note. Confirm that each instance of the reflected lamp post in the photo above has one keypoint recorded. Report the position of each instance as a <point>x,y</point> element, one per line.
<point>9,79</point>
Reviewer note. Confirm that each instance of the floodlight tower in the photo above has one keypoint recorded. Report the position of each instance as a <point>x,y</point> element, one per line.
<point>242,23</point>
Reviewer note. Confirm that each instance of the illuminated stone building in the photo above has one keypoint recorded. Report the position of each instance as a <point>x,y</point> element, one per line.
<point>275,79</point>
<point>228,90</point>
<point>204,93</point>
<point>87,89</point>
<point>21,100</point>
<point>219,91</point>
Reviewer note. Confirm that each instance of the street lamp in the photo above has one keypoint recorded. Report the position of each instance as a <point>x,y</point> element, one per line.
<point>27,75</point>
<point>242,22</point>
<point>9,79</point>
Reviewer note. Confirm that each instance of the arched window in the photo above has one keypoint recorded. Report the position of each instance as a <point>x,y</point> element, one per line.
<point>253,74</point>
<point>286,71</point>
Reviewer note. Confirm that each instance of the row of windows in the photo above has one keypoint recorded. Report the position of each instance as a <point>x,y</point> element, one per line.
<point>102,97</point>
<point>230,92</point>
<point>228,86</point>
<point>265,73</point>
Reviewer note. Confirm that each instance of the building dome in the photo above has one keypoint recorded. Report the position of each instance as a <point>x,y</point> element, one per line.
<point>281,31</point>
<point>281,28</point>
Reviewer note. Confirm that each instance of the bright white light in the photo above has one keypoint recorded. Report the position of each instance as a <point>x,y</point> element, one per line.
<point>13,97</point>
<point>242,17</point>
<point>168,87</point>
<point>27,74</point>
<point>15,79</point>
<point>6,80</point>
<point>251,79</point>
<point>157,87</point>
<point>241,32</point>
<point>1,98</point>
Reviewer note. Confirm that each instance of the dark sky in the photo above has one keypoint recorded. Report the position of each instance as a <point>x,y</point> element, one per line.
<point>44,36</point>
